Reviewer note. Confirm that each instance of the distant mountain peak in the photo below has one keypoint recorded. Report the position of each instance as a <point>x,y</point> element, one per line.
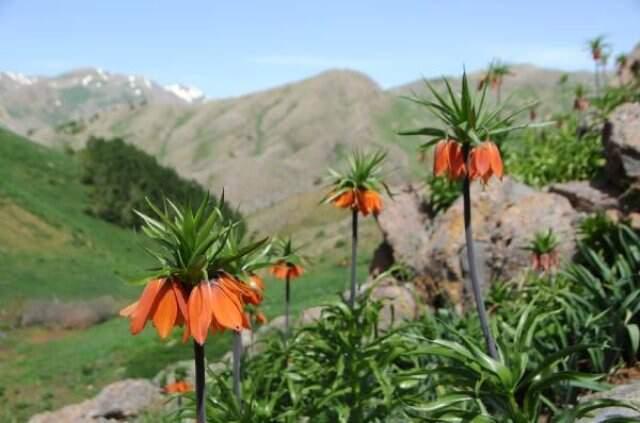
<point>19,78</point>
<point>187,93</point>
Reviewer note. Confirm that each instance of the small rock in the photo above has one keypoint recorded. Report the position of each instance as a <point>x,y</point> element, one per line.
<point>310,315</point>
<point>399,303</point>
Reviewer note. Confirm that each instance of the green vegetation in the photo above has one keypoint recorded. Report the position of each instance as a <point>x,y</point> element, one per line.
<point>122,178</point>
<point>50,246</point>
<point>347,367</point>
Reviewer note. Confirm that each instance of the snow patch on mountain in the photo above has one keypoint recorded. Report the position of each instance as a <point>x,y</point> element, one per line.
<point>186,93</point>
<point>19,78</point>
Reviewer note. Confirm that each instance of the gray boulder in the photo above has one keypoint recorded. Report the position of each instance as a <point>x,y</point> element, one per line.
<point>621,138</point>
<point>120,401</point>
<point>505,217</point>
<point>68,315</point>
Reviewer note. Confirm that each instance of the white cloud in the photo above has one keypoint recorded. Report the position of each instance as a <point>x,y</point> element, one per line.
<point>315,61</point>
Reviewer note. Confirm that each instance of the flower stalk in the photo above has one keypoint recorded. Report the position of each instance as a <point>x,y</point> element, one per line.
<point>237,358</point>
<point>473,271</point>
<point>287,300</point>
<point>198,357</point>
<point>354,256</point>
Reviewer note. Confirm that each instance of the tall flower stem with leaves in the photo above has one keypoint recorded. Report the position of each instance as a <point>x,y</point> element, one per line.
<point>246,260</point>
<point>597,48</point>
<point>465,149</point>
<point>191,287</point>
<point>358,190</point>
<point>288,266</point>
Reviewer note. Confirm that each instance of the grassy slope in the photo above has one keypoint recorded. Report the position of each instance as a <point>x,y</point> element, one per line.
<point>49,248</point>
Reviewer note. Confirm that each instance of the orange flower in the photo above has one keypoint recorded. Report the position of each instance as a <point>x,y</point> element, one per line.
<point>282,270</point>
<point>344,200</point>
<point>544,262</point>
<point>485,161</point>
<point>217,305</point>
<point>260,318</point>
<point>163,302</point>
<point>449,160</point>
<point>178,387</point>
<point>252,292</point>
<point>365,200</point>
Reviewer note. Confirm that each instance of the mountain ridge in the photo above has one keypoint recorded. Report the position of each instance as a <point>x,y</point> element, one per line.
<point>267,146</point>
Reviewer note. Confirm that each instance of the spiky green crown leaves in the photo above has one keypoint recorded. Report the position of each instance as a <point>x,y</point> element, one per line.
<point>468,119</point>
<point>241,257</point>
<point>284,250</point>
<point>364,172</point>
<point>543,242</point>
<point>498,70</point>
<point>192,243</point>
<point>598,43</point>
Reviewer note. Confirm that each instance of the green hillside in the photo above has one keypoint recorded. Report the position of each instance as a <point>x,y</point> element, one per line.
<point>51,249</point>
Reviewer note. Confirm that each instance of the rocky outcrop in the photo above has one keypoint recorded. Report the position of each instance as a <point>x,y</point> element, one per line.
<point>403,224</point>
<point>631,70</point>
<point>621,139</point>
<point>121,401</point>
<point>71,315</point>
<point>505,217</point>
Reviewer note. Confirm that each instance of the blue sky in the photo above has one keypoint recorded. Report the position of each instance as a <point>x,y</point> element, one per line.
<point>230,48</point>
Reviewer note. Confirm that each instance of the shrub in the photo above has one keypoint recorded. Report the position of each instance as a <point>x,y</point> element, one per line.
<point>442,192</point>
<point>540,157</point>
<point>121,178</point>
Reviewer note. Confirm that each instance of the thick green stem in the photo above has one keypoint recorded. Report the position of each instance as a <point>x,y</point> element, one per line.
<point>473,272</point>
<point>287,301</point>
<point>237,357</point>
<point>354,253</point>
<point>198,357</point>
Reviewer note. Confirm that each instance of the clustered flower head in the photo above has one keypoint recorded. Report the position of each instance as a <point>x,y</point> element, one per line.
<point>364,200</point>
<point>543,248</point>
<point>200,285</point>
<point>359,189</point>
<point>465,140</point>
<point>483,161</point>
<point>288,263</point>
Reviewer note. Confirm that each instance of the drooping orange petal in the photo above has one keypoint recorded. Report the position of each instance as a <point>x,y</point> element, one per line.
<point>279,270</point>
<point>496,160</point>
<point>441,158</point>
<point>178,387</point>
<point>147,299</point>
<point>256,282</point>
<point>261,318</point>
<point>227,307</point>
<point>165,311</point>
<point>295,271</point>
<point>482,159</point>
<point>373,202</point>
<point>457,168</point>
<point>181,299</point>
<point>344,200</point>
<point>361,202</point>
<point>199,306</point>
<point>129,310</point>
